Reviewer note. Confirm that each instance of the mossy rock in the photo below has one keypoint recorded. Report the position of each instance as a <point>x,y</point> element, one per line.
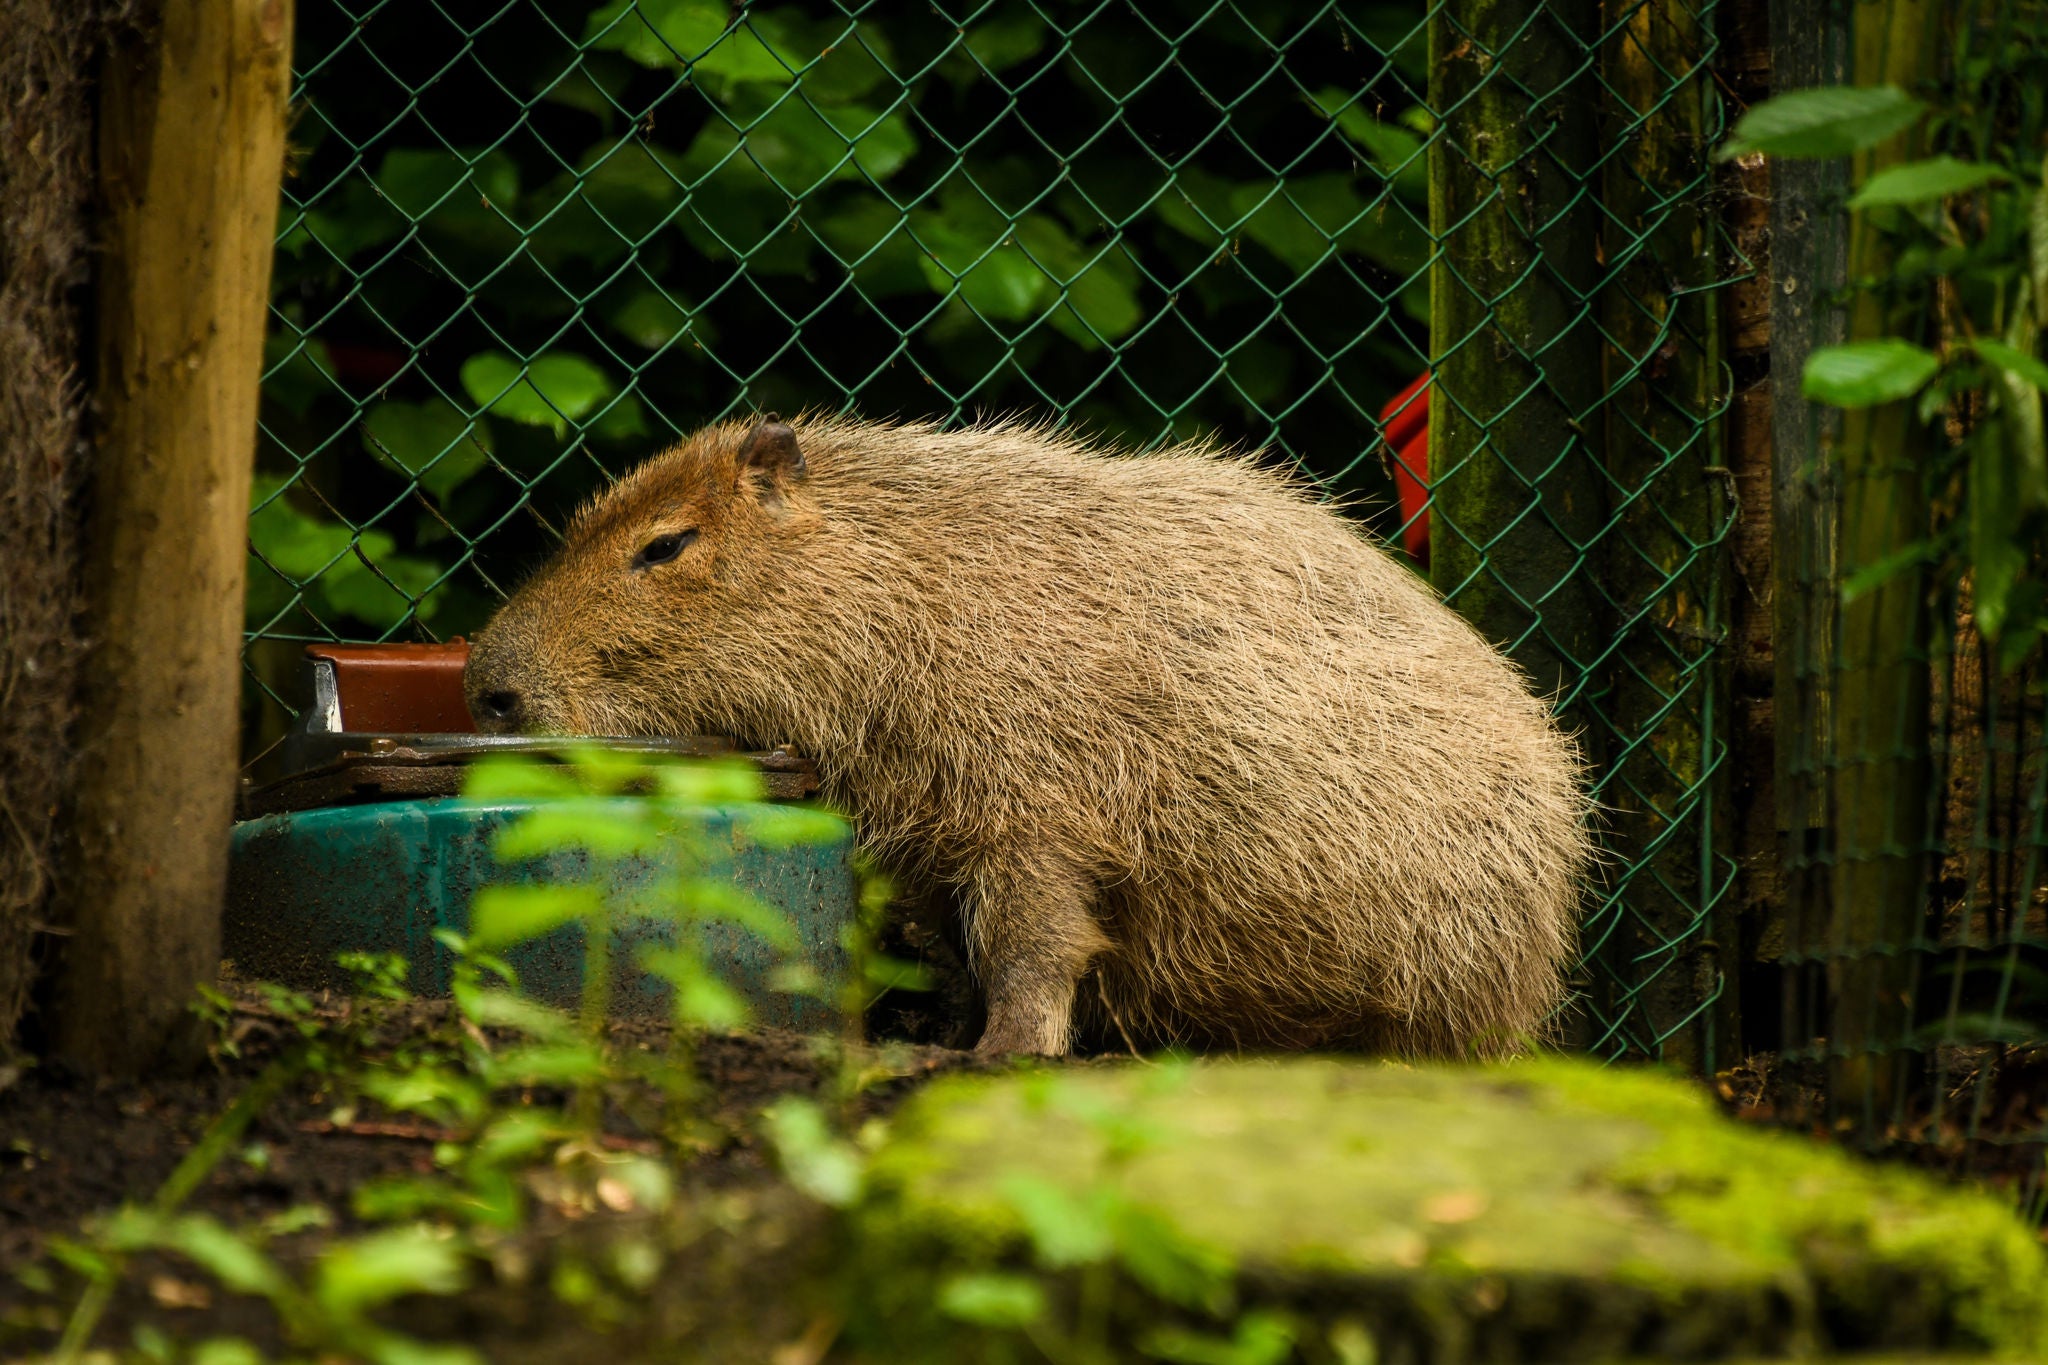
<point>1540,1211</point>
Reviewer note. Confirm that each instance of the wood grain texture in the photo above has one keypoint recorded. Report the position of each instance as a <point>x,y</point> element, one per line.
<point>191,149</point>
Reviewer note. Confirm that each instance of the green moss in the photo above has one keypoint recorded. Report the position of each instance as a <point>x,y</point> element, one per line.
<point>1513,1211</point>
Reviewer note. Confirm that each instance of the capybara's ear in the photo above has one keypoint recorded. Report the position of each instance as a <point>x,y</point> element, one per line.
<point>771,448</point>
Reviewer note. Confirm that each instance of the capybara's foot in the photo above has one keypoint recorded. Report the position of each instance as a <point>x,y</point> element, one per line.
<point>1038,1032</point>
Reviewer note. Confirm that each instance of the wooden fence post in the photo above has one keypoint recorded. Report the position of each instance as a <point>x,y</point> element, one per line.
<point>1514,444</point>
<point>1881,724</point>
<point>1664,562</point>
<point>1853,678</point>
<point>191,151</point>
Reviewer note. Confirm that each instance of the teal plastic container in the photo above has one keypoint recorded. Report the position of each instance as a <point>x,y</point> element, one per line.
<point>305,886</point>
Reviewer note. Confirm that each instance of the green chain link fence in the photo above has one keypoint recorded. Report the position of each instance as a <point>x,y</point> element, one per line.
<point>525,242</point>
<point>1913,754</point>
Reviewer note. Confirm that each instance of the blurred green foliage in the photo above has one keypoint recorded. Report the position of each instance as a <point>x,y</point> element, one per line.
<point>1964,305</point>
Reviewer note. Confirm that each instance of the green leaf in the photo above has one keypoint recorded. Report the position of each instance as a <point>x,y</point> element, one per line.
<point>509,1009</point>
<point>2021,380</point>
<point>518,777</point>
<point>1262,1338</point>
<point>225,1351</point>
<point>703,1001</point>
<point>1886,569</point>
<point>550,391</point>
<point>650,319</point>
<point>872,237</point>
<point>1831,121</point>
<point>516,1135</point>
<point>1005,39</point>
<point>841,58</point>
<point>1862,374</point>
<point>607,772</point>
<point>796,978</point>
<point>397,587</point>
<point>815,1159</point>
<point>790,826</point>
<point>433,442</point>
<point>501,916</point>
<point>759,50</point>
<point>800,148</point>
<point>229,1257</point>
<point>1396,152</point>
<point>2013,359</point>
<point>374,1269</point>
<point>1099,288</point>
<point>389,1348</point>
<point>710,782</point>
<point>886,973</point>
<point>624,420</point>
<point>712,899</point>
<point>607,827</point>
<point>993,1300</point>
<point>1919,181</point>
<point>1301,220</point>
<point>657,33</point>
<point>1064,1229</point>
<point>439,1093</point>
<point>419,181</point>
<point>560,1063</point>
<point>966,248</point>
<point>299,546</point>
<point>1169,1264</point>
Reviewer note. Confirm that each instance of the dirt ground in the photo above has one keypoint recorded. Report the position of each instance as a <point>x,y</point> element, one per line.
<point>71,1147</point>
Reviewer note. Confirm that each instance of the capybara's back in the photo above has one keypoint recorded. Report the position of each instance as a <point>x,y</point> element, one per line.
<point>1165,730</point>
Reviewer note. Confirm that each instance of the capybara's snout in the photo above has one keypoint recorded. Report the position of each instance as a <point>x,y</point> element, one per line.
<point>499,695</point>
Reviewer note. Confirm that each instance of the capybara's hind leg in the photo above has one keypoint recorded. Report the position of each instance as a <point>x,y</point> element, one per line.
<point>1031,932</point>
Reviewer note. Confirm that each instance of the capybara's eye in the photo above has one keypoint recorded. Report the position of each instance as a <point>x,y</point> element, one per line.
<point>662,549</point>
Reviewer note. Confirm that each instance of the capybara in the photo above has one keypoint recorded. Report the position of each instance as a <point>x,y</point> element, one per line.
<point>1195,758</point>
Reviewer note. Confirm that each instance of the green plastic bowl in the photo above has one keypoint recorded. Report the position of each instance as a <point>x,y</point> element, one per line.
<point>305,886</point>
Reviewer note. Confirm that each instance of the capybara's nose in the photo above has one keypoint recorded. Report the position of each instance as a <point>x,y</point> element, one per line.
<point>501,707</point>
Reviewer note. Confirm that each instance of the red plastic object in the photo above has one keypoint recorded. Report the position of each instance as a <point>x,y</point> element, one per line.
<point>400,689</point>
<point>1405,422</point>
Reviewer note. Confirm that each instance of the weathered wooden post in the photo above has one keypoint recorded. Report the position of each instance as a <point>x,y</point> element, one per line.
<point>1514,447</point>
<point>191,150</point>
<point>1663,562</point>
<point>1881,730</point>
<point>1853,680</point>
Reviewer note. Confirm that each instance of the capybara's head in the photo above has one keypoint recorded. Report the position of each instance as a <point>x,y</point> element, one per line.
<point>621,633</point>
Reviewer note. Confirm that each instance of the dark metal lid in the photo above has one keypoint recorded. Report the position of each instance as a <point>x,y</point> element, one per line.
<point>320,763</point>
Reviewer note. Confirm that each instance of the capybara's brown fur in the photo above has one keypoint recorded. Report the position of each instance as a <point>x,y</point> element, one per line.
<point>1176,739</point>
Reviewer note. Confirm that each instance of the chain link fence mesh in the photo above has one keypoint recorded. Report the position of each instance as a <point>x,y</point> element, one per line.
<point>1913,782</point>
<point>525,242</point>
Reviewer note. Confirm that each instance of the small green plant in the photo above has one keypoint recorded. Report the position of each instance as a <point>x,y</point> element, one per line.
<point>606,811</point>
<point>516,1091</point>
<point>1961,308</point>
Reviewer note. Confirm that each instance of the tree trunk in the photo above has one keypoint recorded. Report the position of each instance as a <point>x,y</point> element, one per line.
<point>191,149</point>
<point>1809,44</point>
